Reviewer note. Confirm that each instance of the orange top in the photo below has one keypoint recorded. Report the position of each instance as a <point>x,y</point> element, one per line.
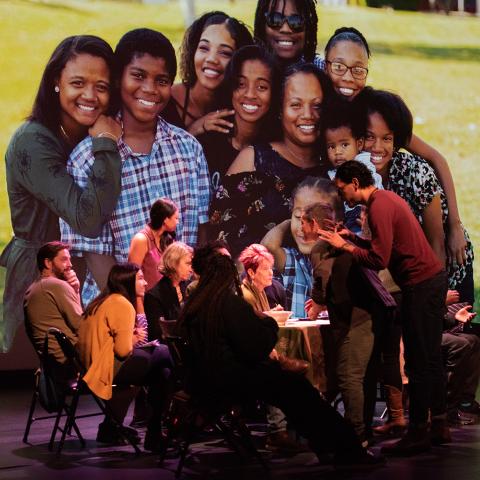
<point>103,335</point>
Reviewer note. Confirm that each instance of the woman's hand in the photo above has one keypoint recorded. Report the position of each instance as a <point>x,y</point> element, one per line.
<point>139,335</point>
<point>456,244</point>
<point>212,122</point>
<point>464,315</point>
<point>106,127</point>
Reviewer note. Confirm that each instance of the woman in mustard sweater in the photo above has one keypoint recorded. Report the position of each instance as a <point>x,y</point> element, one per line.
<point>107,337</point>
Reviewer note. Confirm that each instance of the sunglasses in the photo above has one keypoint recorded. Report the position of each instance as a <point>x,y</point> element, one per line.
<point>276,20</point>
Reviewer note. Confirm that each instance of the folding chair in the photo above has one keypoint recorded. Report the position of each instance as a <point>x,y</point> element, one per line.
<point>64,390</point>
<point>33,406</point>
<point>72,356</point>
<point>188,412</point>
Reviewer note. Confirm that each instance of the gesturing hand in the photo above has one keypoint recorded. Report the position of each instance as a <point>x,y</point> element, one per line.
<point>212,122</point>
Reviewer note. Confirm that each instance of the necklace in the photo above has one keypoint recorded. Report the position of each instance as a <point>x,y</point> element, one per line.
<point>64,132</point>
<point>295,156</point>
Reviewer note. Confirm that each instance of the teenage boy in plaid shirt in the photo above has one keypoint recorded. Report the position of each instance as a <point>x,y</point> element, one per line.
<point>158,159</point>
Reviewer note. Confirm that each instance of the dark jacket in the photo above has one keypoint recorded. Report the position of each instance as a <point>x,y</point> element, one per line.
<point>340,285</point>
<point>245,340</point>
<point>161,301</point>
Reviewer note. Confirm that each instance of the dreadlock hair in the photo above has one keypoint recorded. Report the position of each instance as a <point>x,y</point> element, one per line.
<point>217,283</point>
<point>202,254</point>
<point>306,8</point>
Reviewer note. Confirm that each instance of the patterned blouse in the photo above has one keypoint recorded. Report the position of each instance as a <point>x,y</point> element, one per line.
<point>413,179</point>
<point>249,204</point>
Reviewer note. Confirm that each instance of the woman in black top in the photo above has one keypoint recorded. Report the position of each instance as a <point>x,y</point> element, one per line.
<point>256,193</point>
<point>250,85</point>
<point>165,298</point>
<point>230,346</point>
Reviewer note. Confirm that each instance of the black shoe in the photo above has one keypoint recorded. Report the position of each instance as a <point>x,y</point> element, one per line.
<point>472,408</point>
<point>155,442</point>
<point>416,440</point>
<point>361,460</point>
<point>457,418</point>
<point>112,435</point>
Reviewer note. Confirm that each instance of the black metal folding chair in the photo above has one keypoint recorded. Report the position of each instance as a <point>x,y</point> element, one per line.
<point>189,412</point>
<point>64,389</point>
<point>81,388</point>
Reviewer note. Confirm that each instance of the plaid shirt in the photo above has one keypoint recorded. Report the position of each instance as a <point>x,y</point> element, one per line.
<point>175,168</point>
<point>297,280</point>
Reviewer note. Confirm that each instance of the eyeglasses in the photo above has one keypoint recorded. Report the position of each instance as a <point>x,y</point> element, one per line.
<point>276,20</point>
<point>340,69</point>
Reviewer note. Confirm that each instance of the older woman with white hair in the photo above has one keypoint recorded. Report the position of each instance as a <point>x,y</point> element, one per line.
<point>166,297</point>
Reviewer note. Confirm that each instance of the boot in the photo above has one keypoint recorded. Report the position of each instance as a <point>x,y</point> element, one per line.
<point>293,365</point>
<point>396,423</point>
<point>440,431</point>
<point>416,440</point>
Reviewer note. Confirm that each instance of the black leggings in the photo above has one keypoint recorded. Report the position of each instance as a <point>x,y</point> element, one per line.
<point>150,367</point>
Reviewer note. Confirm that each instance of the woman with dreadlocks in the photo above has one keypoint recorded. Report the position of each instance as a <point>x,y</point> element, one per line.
<point>230,346</point>
<point>289,29</point>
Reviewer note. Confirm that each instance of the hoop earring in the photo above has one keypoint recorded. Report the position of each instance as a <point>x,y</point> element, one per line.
<point>57,89</point>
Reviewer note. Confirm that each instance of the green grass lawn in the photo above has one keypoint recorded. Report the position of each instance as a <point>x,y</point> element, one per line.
<point>433,61</point>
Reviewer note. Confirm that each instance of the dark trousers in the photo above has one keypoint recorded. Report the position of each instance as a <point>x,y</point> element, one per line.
<point>461,353</point>
<point>306,410</point>
<point>150,367</point>
<point>423,308</point>
<point>385,360</point>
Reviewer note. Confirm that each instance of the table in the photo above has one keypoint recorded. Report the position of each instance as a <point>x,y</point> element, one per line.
<point>303,340</point>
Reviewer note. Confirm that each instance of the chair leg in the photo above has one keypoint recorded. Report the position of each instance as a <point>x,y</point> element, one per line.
<point>30,419</point>
<point>72,410</point>
<point>56,428</point>
<point>186,444</point>
<point>170,421</point>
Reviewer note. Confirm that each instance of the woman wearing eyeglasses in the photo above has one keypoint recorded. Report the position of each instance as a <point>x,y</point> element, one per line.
<point>346,63</point>
<point>289,29</point>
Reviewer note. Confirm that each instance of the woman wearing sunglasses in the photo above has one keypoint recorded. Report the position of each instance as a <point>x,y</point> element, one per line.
<point>289,29</point>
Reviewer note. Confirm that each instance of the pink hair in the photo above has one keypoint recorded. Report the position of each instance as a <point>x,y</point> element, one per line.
<point>253,255</point>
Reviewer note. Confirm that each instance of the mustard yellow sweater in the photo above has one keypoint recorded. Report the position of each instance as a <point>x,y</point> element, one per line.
<point>101,336</point>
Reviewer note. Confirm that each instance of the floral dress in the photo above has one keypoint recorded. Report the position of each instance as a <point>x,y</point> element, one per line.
<point>413,179</point>
<point>248,204</point>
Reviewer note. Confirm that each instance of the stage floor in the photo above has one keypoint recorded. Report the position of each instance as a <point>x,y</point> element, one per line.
<point>211,459</point>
